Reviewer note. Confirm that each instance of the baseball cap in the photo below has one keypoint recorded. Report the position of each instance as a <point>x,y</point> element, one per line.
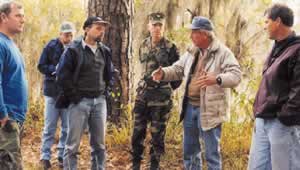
<point>200,22</point>
<point>156,17</point>
<point>67,26</point>
<point>94,20</point>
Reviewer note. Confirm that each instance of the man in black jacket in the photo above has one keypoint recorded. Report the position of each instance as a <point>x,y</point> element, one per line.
<point>47,65</point>
<point>84,73</point>
<point>276,136</point>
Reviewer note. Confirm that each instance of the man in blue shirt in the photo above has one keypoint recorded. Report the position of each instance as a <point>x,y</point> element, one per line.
<point>47,65</point>
<point>13,84</point>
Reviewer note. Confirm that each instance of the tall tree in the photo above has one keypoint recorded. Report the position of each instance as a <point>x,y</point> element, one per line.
<point>118,37</point>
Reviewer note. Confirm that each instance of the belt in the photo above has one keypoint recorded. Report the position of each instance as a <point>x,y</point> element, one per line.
<point>158,86</point>
<point>91,94</point>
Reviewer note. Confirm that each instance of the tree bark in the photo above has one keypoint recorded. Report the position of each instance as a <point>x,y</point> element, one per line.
<point>118,37</point>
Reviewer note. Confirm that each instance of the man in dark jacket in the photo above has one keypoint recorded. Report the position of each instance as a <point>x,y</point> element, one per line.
<point>47,65</point>
<point>84,73</point>
<point>276,136</point>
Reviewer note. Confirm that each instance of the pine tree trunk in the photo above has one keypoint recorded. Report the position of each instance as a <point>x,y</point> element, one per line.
<point>118,37</point>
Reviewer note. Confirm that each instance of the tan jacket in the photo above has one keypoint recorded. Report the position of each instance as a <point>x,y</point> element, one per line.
<point>214,100</point>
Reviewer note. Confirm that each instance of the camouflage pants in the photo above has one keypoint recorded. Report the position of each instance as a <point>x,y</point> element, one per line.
<point>158,117</point>
<point>10,147</point>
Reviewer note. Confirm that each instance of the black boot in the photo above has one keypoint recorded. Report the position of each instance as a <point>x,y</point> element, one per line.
<point>154,164</point>
<point>136,164</point>
<point>60,163</point>
<point>46,164</point>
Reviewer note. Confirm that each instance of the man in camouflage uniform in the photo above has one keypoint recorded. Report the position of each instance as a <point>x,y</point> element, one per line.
<point>153,102</point>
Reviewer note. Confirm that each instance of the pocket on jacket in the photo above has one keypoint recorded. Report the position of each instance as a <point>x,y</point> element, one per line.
<point>215,103</point>
<point>212,98</point>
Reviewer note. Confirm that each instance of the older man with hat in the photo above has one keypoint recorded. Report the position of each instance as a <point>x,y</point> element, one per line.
<point>153,102</point>
<point>47,65</point>
<point>209,70</point>
<point>84,74</point>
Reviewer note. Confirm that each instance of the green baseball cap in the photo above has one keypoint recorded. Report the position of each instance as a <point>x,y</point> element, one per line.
<point>157,17</point>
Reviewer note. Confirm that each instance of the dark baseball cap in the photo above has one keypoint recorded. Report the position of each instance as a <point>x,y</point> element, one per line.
<point>94,20</point>
<point>202,23</point>
<point>156,17</point>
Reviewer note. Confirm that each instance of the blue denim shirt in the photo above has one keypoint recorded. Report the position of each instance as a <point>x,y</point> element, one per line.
<point>13,83</point>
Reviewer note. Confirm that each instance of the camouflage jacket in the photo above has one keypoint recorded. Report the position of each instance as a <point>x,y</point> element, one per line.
<point>164,54</point>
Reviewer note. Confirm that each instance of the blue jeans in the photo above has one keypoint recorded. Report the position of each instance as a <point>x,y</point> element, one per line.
<point>191,144</point>
<point>274,146</point>
<point>51,116</point>
<point>91,112</point>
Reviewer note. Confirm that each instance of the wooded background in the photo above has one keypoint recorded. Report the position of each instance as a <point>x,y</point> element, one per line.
<point>238,23</point>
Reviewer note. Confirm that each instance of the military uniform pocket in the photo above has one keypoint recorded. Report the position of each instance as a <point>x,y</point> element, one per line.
<point>158,95</point>
<point>10,136</point>
<point>10,126</point>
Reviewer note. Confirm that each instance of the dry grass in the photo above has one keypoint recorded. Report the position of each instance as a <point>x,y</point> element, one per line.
<point>235,143</point>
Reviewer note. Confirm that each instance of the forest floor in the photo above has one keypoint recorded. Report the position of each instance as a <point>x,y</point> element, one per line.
<point>118,156</point>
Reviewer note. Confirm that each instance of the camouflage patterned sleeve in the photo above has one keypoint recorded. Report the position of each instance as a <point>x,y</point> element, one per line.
<point>142,46</point>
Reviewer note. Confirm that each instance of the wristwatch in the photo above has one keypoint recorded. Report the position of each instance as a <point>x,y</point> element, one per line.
<point>219,80</point>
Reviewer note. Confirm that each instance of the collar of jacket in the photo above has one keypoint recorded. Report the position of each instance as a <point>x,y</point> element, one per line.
<point>160,44</point>
<point>84,44</point>
<point>288,39</point>
<point>213,47</point>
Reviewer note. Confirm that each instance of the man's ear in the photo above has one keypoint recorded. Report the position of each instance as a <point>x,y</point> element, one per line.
<point>87,28</point>
<point>3,17</point>
<point>278,20</point>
